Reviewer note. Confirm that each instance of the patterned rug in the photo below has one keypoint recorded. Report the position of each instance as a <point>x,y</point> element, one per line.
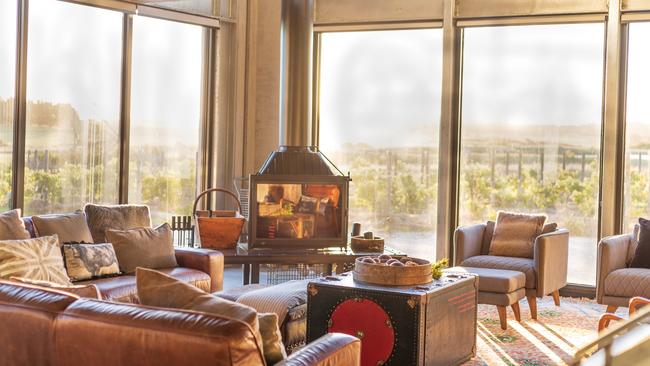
<point>551,340</point>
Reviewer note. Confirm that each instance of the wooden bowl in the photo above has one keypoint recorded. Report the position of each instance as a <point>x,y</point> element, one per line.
<point>361,244</point>
<point>381,274</point>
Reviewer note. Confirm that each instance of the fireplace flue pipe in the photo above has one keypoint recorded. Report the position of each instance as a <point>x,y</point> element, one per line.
<point>297,31</point>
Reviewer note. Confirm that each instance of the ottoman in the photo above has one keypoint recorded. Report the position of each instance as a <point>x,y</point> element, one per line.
<point>498,287</point>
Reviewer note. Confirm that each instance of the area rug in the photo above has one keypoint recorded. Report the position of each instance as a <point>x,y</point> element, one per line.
<point>551,340</point>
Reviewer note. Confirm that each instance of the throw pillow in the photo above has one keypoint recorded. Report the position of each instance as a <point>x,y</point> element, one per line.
<point>143,247</point>
<point>118,217</point>
<point>88,291</point>
<point>272,345</point>
<point>161,290</point>
<point>549,228</point>
<point>35,259</point>
<point>515,234</point>
<point>641,257</point>
<point>12,227</point>
<point>489,228</point>
<point>70,227</point>
<point>86,261</point>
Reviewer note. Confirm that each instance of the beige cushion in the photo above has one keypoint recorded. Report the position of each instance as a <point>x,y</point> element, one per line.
<point>524,265</point>
<point>118,217</point>
<point>70,227</point>
<point>35,259</point>
<point>494,298</point>
<point>515,234</point>
<point>86,261</point>
<point>628,282</point>
<point>12,227</point>
<point>88,291</point>
<point>158,289</point>
<point>143,247</point>
<point>495,280</point>
<point>489,231</point>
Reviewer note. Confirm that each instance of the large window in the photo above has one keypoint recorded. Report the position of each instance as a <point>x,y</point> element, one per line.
<point>8,9</point>
<point>637,163</point>
<point>531,123</point>
<point>379,119</point>
<point>165,116</point>
<point>73,104</point>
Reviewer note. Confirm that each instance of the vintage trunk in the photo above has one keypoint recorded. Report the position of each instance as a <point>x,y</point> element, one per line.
<point>432,324</point>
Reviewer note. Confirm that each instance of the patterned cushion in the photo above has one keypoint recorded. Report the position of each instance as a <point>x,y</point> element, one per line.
<point>35,259</point>
<point>525,265</point>
<point>515,234</point>
<point>86,261</point>
<point>12,227</point>
<point>628,282</point>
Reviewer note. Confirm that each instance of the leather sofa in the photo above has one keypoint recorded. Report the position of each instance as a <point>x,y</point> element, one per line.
<point>202,268</point>
<point>616,282</point>
<point>48,327</point>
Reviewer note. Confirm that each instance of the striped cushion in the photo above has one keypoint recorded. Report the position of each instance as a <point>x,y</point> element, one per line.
<point>277,299</point>
<point>34,259</point>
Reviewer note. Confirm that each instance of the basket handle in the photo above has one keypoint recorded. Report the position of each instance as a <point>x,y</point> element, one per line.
<point>227,192</point>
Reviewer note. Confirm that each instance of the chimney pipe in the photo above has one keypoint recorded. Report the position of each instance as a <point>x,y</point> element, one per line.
<point>297,30</point>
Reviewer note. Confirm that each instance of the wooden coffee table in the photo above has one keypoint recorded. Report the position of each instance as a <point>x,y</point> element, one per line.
<point>251,259</point>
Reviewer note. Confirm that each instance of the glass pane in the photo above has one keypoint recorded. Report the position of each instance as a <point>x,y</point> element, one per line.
<point>637,163</point>
<point>379,120</point>
<point>73,106</point>
<point>165,116</point>
<point>531,123</point>
<point>8,10</point>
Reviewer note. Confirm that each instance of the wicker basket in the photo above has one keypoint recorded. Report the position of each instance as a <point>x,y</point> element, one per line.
<point>218,229</point>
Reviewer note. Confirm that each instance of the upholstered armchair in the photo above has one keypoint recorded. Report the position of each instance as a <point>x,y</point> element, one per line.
<point>546,272</point>
<point>616,283</point>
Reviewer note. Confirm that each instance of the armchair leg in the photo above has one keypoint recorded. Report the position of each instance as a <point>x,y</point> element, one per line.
<point>611,309</point>
<point>532,303</point>
<point>515,309</point>
<point>556,297</point>
<point>502,317</point>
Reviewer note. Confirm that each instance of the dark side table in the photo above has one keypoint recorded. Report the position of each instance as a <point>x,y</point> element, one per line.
<point>251,259</point>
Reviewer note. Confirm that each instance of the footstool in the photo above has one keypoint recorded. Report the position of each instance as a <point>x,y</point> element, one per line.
<point>288,300</point>
<point>498,287</point>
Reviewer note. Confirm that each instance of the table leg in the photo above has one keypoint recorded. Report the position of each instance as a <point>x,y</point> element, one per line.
<point>255,273</point>
<point>247,274</point>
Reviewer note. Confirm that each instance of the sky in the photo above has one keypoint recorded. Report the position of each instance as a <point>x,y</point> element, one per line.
<point>74,56</point>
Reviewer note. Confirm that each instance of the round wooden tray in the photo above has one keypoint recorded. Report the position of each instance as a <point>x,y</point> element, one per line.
<point>393,276</point>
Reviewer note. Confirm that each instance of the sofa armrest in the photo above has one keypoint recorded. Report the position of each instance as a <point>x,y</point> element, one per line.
<point>612,255</point>
<point>551,261</point>
<point>468,241</point>
<point>205,260</point>
<point>332,349</point>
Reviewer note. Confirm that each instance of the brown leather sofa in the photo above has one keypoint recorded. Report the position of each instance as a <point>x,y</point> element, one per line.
<point>617,283</point>
<point>202,268</point>
<point>545,273</point>
<point>41,327</point>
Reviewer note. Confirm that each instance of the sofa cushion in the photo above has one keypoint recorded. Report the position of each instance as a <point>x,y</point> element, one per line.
<point>86,261</point>
<point>143,247</point>
<point>123,288</point>
<point>641,258</point>
<point>628,282</point>
<point>89,291</point>
<point>501,281</point>
<point>12,227</point>
<point>36,259</point>
<point>515,234</point>
<point>524,265</point>
<point>117,217</point>
<point>70,227</point>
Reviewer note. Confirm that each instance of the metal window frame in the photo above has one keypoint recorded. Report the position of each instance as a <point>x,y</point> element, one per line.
<point>204,171</point>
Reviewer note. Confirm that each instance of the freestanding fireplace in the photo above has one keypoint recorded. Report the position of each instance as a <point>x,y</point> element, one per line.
<point>298,198</point>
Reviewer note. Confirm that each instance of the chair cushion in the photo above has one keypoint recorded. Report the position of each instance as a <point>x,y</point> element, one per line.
<point>641,258</point>
<point>515,233</point>
<point>628,282</point>
<point>501,281</point>
<point>123,288</point>
<point>524,265</point>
